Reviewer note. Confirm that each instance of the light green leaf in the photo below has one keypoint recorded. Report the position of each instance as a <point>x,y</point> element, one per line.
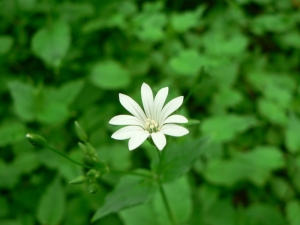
<point>130,191</point>
<point>116,155</point>
<point>110,75</point>
<point>6,43</point>
<point>154,212</point>
<point>52,204</point>
<point>221,212</point>
<point>11,133</point>
<point>224,128</point>
<point>264,214</point>
<point>23,99</point>
<point>293,212</point>
<point>255,166</point>
<point>292,138</point>
<point>186,63</point>
<point>184,21</point>
<point>181,204</point>
<point>51,44</point>
<point>68,92</point>
<point>272,111</point>
<point>177,159</point>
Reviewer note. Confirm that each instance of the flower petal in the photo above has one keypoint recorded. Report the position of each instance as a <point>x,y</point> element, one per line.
<point>159,101</point>
<point>174,130</point>
<point>132,107</point>
<point>169,108</point>
<point>126,132</point>
<point>137,139</point>
<point>159,140</point>
<point>176,119</point>
<point>147,98</point>
<point>125,120</point>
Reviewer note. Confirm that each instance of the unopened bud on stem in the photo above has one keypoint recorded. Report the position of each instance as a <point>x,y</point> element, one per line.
<point>37,140</point>
<point>80,132</point>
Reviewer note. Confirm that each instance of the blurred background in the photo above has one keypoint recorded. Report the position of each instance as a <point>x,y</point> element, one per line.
<point>62,61</point>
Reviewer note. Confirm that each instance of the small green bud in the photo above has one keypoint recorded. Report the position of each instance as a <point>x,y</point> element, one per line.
<point>93,188</point>
<point>36,140</point>
<point>83,148</point>
<point>80,132</point>
<point>93,173</point>
<point>78,180</point>
<point>90,149</point>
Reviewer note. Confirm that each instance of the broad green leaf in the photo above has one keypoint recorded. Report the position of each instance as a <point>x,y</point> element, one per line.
<point>23,99</point>
<point>6,43</point>
<point>51,43</point>
<point>264,214</point>
<point>224,128</point>
<point>187,20</point>
<point>218,44</point>
<point>177,159</point>
<point>68,92</point>
<point>282,188</point>
<point>272,111</point>
<point>181,204</point>
<point>225,98</point>
<point>221,212</point>
<point>154,212</point>
<point>130,191</point>
<point>9,175</point>
<point>51,207</point>
<point>186,63</point>
<point>11,133</point>
<point>293,212</point>
<point>4,207</point>
<point>292,139</point>
<point>116,155</point>
<point>255,166</point>
<point>110,75</point>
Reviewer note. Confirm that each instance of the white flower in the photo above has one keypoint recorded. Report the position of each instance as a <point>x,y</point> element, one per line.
<point>155,121</point>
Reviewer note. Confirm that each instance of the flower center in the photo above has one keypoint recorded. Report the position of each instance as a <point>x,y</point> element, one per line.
<point>151,126</point>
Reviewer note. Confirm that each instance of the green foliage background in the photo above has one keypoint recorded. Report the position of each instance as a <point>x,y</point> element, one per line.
<point>62,61</point>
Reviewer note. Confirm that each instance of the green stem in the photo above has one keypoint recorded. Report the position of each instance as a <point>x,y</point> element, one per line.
<point>195,82</point>
<point>166,203</point>
<point>164,196</point>
<point>70,159</point>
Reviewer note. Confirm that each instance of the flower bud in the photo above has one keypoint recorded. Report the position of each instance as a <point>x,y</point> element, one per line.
<point>93,188</point>
<point>83,148</point>
<point>80,132</point>
<point>78,180</point>
<point>36,140</point>
<point>93,173</point>
<point>90,149</point>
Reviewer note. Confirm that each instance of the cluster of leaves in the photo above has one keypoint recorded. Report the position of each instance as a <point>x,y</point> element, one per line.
<point>62,61</point>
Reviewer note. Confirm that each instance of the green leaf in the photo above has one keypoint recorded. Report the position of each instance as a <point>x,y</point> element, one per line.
<point>224,128</point>
<point>109,75</point>
<point>154,212</point>
<point>6,43</point>
<point>224,211</point>
<point>255,166</point>
<point>292,140</point>
<point>67,93</point>
<point>52,204</point>
<point>23,99</point>
<point>184,21</point>
<point>51,44</point>
<point>264,214</point>
<point>11,133</point>
<point>177,159</point>
<point>272,111</point>
<point>186,63</point>
<point>130,191</point>
<point>293,212</point>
